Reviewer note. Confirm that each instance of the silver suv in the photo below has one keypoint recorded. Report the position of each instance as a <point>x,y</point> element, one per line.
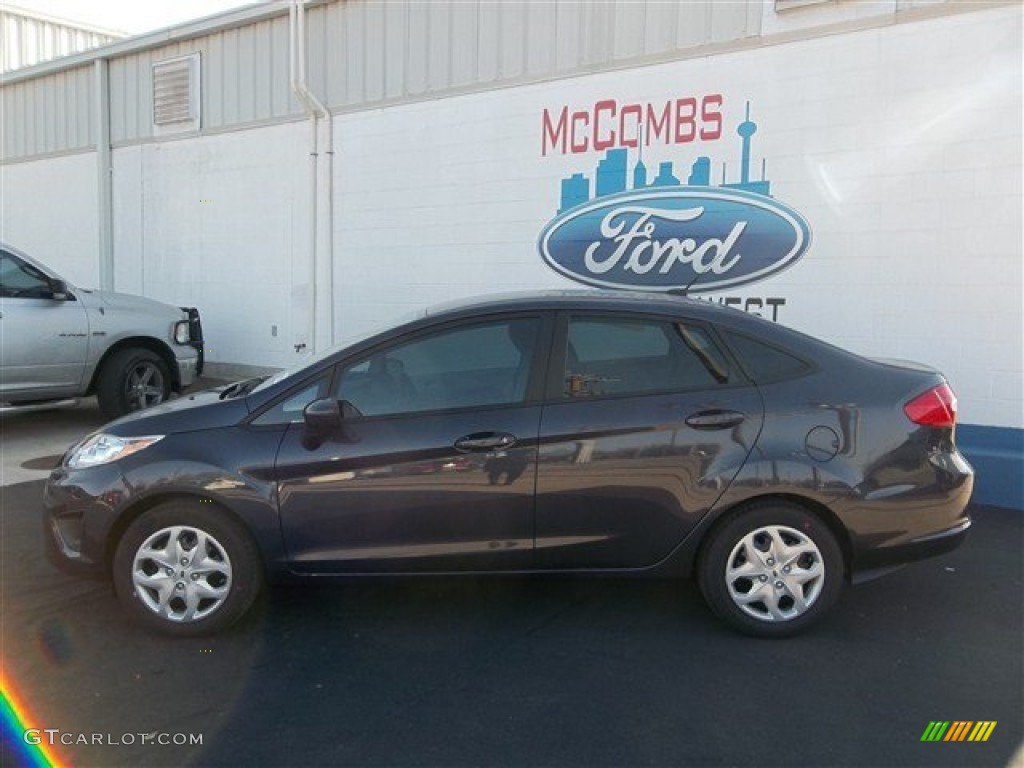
<point>58,341</point>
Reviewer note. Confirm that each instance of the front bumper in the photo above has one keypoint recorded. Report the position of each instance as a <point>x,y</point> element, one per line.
<point>188,370</point>
<point>79,516</point>
<point>195,327</point>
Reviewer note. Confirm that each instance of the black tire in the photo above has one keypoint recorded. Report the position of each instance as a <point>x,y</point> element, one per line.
<point>132,379</point>
<point>777,551</point>
<point>178,595</point>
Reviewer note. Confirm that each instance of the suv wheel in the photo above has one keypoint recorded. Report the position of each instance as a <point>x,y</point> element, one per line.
<point>772,570</point>
<point>131,380</point>
<point>186,571</point>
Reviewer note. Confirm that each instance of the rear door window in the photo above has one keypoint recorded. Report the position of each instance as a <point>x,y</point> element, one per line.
<point>631,356</point>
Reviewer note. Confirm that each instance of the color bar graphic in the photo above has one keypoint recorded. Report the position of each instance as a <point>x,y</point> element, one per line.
<point>935,731</point>
<point>958,730</point>
<point>982,730</point>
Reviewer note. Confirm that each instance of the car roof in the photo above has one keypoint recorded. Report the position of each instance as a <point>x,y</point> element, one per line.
<point>636,301</point>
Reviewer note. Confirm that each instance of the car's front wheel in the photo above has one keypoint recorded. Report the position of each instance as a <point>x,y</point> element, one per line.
<point>132,379</point>
<point>186,569</point>
<point>771,570</point>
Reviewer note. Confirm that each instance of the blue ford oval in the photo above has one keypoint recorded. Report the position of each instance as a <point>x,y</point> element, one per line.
<point>704,238</point>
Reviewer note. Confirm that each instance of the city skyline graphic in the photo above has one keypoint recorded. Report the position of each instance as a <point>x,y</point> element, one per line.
<point>611,175</point>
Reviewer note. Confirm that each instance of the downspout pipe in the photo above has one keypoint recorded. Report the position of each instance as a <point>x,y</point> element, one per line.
<point>104,178</point>
<point>316,111</point>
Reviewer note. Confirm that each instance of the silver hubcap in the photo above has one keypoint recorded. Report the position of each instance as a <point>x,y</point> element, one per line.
<point>144,386</point>
<point>182,574</point>
<point>775,573</point>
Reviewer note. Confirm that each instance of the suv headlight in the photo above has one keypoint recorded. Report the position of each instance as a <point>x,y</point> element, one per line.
<point>182,334</point>
<point>102,449</point>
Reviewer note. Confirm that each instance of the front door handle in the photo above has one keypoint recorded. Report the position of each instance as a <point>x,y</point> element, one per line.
<point>715,419</point>
<point>485,441</point>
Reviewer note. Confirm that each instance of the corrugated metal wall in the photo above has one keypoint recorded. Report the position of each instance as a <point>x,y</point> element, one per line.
<point>374,51</point>
<point>26,39</point>
<point>366,52</point>
<point>53,113</point>
<point>244,75</point>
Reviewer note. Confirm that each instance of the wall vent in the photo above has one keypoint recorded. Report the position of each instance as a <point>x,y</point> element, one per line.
<point>176,94</point>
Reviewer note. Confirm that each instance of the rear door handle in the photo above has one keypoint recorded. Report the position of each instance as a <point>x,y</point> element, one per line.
<point>715,419</point>
<point>485,441</point>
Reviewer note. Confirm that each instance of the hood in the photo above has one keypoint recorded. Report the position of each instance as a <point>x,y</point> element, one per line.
<point>191,413</point>
<point>126,301</point>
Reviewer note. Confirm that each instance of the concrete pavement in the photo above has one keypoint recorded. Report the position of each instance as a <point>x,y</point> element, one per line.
<point>32,442</point>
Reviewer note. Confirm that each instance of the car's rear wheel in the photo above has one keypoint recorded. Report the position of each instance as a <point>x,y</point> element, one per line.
<point>132,379</point>
<point>186,568</point>
<point>771,570</point>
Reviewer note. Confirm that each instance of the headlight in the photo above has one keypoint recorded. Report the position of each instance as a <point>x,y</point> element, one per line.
<point>102,449</point>
<point>182,335</point>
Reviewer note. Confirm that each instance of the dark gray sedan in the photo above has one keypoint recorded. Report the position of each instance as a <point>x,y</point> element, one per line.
<point>584,432</point>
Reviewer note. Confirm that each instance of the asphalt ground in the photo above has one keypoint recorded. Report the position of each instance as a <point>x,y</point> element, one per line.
<point>521,672</point>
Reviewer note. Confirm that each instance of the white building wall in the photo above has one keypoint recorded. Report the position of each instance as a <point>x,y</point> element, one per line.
<point>221,223</point>
<point>65,240</point>
<point>900,145</point>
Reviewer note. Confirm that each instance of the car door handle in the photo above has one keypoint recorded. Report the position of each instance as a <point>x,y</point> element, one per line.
<point>485,441</point>
<point>715,419</point>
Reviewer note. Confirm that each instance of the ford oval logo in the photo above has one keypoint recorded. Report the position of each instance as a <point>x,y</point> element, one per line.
<point>701,238</point>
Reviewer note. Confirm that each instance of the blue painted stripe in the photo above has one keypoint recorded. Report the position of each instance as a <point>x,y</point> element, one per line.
<point>997,455</point>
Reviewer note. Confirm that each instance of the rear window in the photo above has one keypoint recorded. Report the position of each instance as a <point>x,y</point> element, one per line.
<point>764,362</point>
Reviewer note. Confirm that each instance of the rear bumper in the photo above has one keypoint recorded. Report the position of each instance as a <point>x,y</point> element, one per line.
<point>922,548</point>
<point>922,522</point>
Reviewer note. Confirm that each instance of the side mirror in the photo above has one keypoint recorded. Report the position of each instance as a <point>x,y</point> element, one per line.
<point>322,417</point>
<point>59,290</point>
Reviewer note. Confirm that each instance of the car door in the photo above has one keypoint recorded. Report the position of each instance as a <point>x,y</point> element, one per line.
<point>433,468</point>
<point>45,339</point>
<point>647,423</point>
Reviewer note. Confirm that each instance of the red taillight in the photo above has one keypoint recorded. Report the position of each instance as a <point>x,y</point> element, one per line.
<point>934,408</point>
